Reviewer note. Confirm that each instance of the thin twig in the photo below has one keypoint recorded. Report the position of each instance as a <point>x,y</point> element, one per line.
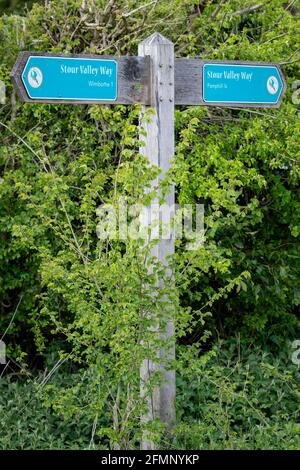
<point>93,431</point>
<point>25,143</point>
<point>132,12</point>
<point>6,366</point>
<point>12,319</point>
<point>242,11</point>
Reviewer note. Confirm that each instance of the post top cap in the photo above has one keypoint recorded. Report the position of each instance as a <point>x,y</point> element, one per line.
<point>156,38</point>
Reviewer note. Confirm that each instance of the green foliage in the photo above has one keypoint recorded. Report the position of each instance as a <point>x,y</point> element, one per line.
<point>233,397</point>
<point>15,6</point>
<point>27,424</point>
<point>239,397</point>
<point>88,300</point>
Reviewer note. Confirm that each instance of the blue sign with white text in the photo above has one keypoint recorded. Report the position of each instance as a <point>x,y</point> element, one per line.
<point>77,79</point>
<point>234,83</point>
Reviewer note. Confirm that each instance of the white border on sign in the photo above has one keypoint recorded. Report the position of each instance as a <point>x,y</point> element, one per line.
<point>242,65</point>
<point>69,58</point>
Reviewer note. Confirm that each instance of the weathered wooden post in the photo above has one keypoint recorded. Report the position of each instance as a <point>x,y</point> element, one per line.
<point>159,149</point>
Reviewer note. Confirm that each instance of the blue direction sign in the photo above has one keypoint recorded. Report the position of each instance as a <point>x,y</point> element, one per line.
<point>245,84</point>
<point>68,78</point>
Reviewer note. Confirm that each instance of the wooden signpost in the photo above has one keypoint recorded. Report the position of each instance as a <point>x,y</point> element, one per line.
<point>81,79</point>
<point>52,78</point>
<point>159,149</point>
<point>154,79</point>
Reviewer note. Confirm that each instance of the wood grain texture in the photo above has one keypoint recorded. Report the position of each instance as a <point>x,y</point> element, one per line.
<point>133,78</point>
<point>159,149</point>
<point>189,83</point>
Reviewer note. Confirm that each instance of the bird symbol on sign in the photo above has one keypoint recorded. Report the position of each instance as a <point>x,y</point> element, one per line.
<point>272,83</point>
<point>34,76</point>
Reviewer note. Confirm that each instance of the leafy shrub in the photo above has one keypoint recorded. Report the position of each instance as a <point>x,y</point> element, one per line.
<point>239,397</point>
<point>233,397</point>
